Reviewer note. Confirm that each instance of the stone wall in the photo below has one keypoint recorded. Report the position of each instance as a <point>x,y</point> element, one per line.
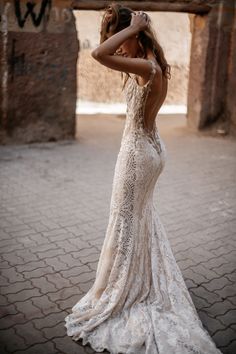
<point>38,71</point>
<point>212,94</point>
<point>231,92</point>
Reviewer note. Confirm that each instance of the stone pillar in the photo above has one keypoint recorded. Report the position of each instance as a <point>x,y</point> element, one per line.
<point>211,43</point>
<point>231,91</point>
<point>39,49</point>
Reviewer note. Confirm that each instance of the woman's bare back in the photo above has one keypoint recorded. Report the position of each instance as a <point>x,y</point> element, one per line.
<point>155,98</point>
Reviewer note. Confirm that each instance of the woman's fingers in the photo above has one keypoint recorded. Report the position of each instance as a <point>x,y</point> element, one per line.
<point>143,14</point>
<point>141,19</point>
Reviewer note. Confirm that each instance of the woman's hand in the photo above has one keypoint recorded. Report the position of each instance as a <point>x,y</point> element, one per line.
<point>140,20</point>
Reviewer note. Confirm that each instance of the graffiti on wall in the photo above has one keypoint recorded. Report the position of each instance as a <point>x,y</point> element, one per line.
<point>21,18</point>
<point>32,16</point>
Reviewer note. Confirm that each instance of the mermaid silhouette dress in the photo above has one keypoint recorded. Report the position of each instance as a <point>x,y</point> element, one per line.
<point>139,302</point>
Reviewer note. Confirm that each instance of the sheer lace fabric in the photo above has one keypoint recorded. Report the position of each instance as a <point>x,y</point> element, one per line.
<point>139,302</point>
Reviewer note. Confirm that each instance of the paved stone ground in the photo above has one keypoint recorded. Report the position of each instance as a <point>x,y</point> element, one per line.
<point>53,216</point>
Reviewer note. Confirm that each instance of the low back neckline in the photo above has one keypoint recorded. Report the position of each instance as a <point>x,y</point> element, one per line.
<point>143,91</point>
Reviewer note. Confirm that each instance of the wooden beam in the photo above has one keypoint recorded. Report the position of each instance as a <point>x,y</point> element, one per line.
<point>194,7</point>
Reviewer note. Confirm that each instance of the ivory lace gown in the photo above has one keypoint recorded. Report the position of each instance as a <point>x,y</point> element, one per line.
<point>139,302</point>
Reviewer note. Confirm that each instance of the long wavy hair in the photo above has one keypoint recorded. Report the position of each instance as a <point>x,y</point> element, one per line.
<point>115,18</point>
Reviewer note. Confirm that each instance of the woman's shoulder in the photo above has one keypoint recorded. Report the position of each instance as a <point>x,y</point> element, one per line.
<point>156,66</point>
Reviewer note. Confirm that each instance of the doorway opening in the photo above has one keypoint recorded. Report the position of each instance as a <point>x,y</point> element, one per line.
<point>99,87</point>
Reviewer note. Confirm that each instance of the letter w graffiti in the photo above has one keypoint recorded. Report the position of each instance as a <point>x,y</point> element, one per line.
<point>30,11</point>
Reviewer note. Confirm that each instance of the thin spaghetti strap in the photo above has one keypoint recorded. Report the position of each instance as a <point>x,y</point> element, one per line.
<point>147,91</point>
<point>152,74</point>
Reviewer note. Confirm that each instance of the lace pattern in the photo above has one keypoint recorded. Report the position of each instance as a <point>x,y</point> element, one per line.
<point>139,302</point>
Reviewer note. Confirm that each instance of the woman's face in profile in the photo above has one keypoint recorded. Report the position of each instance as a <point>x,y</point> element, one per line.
<point>128,48</point>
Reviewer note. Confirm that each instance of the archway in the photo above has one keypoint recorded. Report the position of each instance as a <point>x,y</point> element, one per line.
<point>210,82</point>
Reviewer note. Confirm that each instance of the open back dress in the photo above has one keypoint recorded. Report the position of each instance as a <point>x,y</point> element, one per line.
<point>139,302</point>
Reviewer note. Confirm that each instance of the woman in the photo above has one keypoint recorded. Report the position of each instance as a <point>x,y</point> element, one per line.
<point>139,302</point>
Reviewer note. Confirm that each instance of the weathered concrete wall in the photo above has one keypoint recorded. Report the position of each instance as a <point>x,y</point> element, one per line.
<point>210,93</point>
<point>231,91</point>
<point>38,72</point>
<point>200,38</point>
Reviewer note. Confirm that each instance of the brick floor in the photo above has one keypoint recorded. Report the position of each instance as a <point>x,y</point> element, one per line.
<point>54,210</point>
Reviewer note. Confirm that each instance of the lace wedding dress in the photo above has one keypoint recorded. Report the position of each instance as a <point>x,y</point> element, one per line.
<point>139,303</point>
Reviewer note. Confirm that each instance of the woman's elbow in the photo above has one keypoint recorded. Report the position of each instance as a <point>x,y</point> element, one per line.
<point>95,53</point>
